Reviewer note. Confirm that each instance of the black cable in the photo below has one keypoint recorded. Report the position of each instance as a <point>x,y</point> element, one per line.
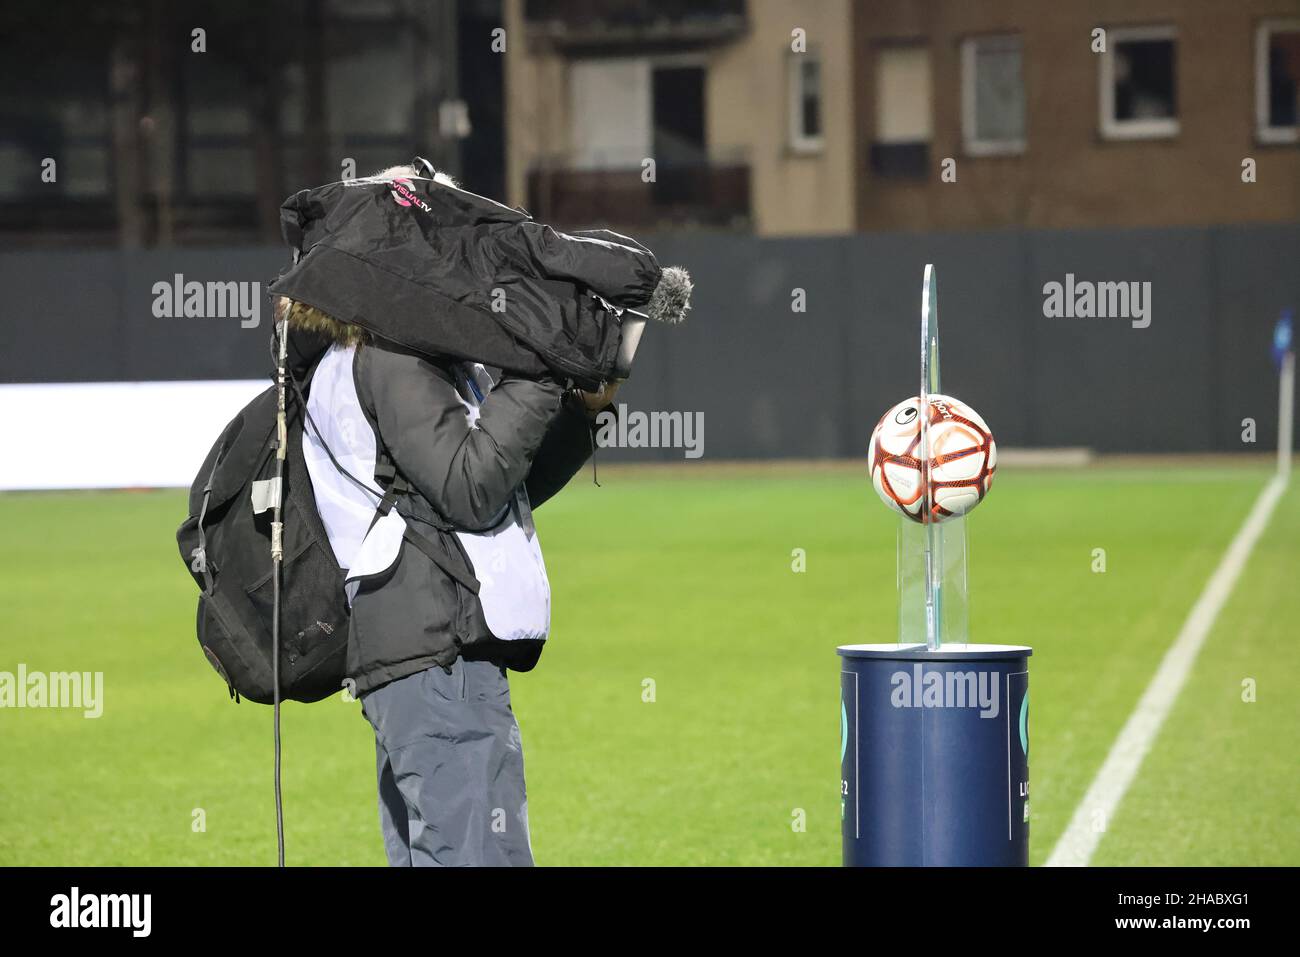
<point>281,452</point>
<point>275,669</point>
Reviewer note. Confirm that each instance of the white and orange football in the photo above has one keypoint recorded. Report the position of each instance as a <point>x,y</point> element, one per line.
<point>963,457</point>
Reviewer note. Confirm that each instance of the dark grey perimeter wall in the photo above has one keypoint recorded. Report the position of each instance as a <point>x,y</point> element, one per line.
<point>773,382</point>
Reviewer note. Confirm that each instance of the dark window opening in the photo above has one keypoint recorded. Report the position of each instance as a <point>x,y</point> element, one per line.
<point>810,98</point>
<point>1145,86</point>
<point>1283,78</point>
<point>677,108</point>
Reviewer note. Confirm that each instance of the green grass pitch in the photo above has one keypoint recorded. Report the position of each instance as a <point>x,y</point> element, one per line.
<point>683,579</point>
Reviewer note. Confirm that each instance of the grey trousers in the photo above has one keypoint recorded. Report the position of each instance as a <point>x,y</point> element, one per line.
<point>451,768</point>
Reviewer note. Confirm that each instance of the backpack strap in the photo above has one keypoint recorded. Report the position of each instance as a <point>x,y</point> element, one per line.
<point>386,471</point>
<point>201,564</point>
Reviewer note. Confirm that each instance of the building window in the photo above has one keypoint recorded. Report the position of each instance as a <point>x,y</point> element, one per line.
<point>677,111</point>
<point>993,95</point>
<point>610,113</point>
<point>218,130</point>
<point>1277,81</point>
<point>624,114</point>
<point>804,71</point>
<point>629,109</point>
<point>64,117</point>
<point>1139,83</point>
<point>366,57</point>
<point>903,121</point>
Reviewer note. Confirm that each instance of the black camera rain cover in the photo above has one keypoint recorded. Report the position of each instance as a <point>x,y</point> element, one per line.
<point>445,272</point>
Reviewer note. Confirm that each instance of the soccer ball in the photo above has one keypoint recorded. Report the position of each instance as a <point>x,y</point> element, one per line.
<point>963,458</point>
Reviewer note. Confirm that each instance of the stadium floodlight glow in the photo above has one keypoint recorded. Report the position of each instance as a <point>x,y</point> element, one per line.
<point>934,733</point>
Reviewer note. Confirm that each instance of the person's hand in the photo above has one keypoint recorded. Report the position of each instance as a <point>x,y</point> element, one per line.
<point>595,401</point>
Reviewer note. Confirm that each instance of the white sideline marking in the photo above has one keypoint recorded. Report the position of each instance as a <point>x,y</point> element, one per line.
<point>1080,839</point>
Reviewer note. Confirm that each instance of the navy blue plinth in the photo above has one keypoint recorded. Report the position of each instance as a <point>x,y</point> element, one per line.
<point>934,762</point>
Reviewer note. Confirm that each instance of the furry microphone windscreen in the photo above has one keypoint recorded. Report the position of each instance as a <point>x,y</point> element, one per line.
<point>671,299</point>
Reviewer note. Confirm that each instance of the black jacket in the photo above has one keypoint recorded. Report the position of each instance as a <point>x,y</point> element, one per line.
<point>528,431</point>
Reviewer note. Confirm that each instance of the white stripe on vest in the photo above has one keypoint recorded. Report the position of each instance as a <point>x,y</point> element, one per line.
<point>513,587</point>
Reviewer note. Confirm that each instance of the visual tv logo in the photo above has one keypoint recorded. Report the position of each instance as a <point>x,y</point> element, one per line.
<point>920,688</point>
<point>404,195</point>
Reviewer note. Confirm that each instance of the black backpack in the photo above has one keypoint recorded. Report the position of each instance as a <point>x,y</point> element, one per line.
<point>226,544</point>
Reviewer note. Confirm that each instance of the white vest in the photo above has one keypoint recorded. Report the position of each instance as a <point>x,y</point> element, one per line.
<point>513,588</point>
